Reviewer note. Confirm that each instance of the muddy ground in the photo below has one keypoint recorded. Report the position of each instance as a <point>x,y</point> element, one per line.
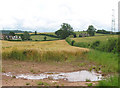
<point>20,67</point>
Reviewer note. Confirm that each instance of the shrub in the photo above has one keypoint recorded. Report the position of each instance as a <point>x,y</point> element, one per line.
<point>95,44</point>
<point>72,43</point>
<point>45,38</point>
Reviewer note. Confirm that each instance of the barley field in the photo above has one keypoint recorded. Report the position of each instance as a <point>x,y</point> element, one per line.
<point>41,51</point>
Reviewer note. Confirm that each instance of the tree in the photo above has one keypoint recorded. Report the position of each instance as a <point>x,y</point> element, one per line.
<point>26,36</point>
<point>45,38</point>
<point>12,33</point>
<point>91,30</point>
<point>64,31</point>
<point>35,32</point>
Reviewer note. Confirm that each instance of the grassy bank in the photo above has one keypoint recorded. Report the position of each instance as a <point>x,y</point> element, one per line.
<point>104,61</point>
<point>107,43</point>
<point>103,53</point>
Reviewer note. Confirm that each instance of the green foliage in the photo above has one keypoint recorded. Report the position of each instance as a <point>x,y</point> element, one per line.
<point>74,34</point>
<point>109,45</point>
<point>35,32</point>
<point>80,35</point>
<point>103,31</point>
<point>95,44</point>
<point>111,81</point>
<point>89,84</point>
<point>88,80</point>
<point>27,83</point>
<point>72,43</point>
<point>43,83</point>
<point>26,36</point>
<point>12,33</point>
<point>91,30</point>
<point>68,40</point>
<point>45,38</point>
<point>64,31</point>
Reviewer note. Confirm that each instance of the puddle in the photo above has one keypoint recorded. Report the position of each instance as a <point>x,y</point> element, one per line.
<point>70,76</point>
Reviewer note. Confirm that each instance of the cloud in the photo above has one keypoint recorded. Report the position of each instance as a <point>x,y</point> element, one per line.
<point>48,15</point>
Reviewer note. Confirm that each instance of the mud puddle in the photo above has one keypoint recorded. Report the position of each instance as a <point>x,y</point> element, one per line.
<point>70,76</point>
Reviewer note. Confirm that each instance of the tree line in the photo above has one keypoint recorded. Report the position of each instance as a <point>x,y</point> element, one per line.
<point>65,31</point>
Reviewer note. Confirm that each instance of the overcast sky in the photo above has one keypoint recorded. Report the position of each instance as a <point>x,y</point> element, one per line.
<point>48,15</point>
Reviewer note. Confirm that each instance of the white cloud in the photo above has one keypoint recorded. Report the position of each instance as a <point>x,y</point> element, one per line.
<point>50,14</point>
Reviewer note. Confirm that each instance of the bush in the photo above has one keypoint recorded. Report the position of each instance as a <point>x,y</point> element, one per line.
<point>72,43</point>
<point>111,45</point>
<point>45,38</point>
<point>95,44</point>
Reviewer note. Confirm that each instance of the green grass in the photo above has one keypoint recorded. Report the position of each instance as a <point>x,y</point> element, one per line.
<point>27,83</point>
<point>111,81</point>
<point>108,43</point>
<point>94,38</point>
<point>40,36</point>
<point>103,56</point>
<point>89,84</point>
<point>43,83</point>
<point>106,62</point>
<point>96,34</point>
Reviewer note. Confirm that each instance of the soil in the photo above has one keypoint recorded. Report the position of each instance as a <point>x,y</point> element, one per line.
<point>20,67</point>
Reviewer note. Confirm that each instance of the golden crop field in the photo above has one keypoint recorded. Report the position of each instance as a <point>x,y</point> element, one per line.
<point>40,49</point>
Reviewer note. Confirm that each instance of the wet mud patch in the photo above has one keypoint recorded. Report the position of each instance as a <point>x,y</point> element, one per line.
<point>69,76</point>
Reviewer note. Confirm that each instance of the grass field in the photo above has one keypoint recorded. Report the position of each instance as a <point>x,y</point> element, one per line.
<point>94,38</point>
<point>41,38</point>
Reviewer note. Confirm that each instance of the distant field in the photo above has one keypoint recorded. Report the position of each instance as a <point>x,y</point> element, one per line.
<point>94,38</point>
<point>96,34</point>
<point>41,37</point>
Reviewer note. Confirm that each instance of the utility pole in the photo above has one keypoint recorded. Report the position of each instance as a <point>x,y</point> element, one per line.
<point>113,21</point>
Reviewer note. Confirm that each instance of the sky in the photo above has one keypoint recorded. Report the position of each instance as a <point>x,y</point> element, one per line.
<point>48,15</point>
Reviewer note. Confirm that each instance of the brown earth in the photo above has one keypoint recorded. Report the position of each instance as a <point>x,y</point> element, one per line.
<point>39,67</point>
